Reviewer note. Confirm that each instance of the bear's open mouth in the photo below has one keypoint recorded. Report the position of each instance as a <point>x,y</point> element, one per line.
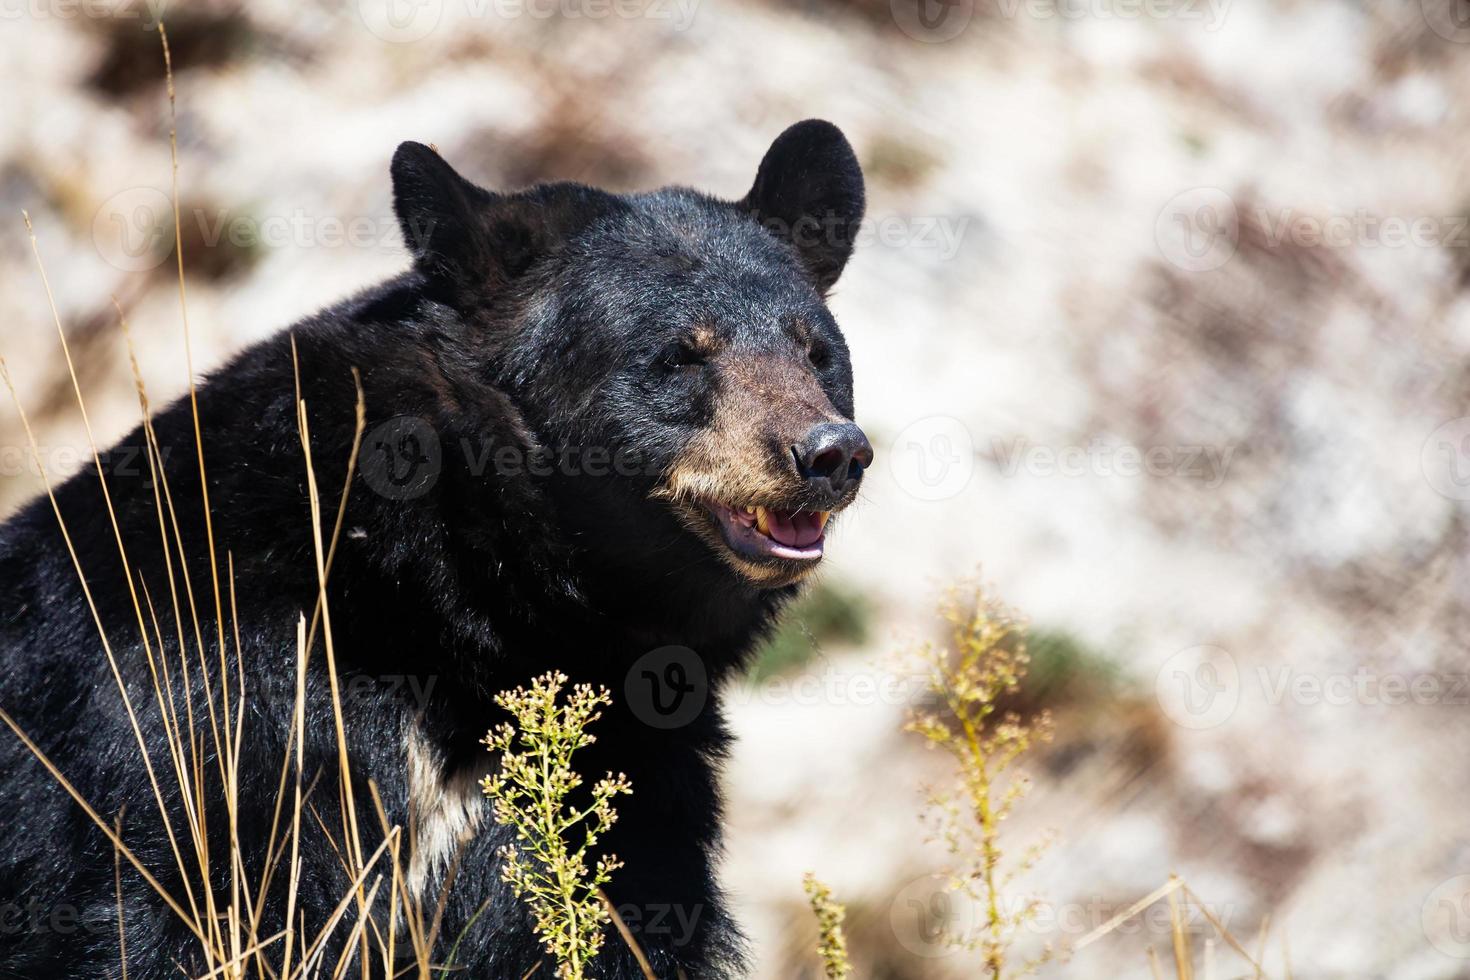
<point>757,533</point>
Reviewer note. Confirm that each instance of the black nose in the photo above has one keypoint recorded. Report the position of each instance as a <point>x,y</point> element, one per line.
<point>833,456</point>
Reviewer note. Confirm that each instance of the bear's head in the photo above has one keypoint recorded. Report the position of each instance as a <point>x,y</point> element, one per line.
<point>672,349</point>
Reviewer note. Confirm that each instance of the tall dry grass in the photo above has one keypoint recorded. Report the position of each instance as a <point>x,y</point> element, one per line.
<point>227,921</point>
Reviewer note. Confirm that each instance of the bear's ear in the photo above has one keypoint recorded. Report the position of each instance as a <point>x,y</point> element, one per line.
<point>809,192</point>
<point>442,215</point>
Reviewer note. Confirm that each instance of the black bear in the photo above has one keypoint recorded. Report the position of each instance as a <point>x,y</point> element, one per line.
<point>603,434</point>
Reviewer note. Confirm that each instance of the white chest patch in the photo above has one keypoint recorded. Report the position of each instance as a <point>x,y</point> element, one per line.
<point>444,810</point>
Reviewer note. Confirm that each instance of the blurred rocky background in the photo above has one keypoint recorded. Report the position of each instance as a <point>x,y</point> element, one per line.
<point>1160,318</point>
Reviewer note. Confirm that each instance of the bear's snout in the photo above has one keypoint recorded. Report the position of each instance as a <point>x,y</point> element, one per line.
<point>831,458</point>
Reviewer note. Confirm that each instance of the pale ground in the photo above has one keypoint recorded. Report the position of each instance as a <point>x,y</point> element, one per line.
<point>1028,291</point>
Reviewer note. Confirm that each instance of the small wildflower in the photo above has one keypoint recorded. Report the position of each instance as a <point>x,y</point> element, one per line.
<point>969,683</point>
<point>530,793</point>
<point>833,942</point>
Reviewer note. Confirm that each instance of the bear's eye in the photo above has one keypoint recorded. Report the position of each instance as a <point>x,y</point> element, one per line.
<point>682,356</point>
<point>820,356</point>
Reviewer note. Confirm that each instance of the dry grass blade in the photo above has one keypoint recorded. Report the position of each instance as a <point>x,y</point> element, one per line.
<point>299,717</point>
<point>1176,890</point>
<point>1168,889</point>
<point>397,893</point>
<point>76,562</point>
<point>1182,962</point>
<point>97,622</point>
<point>76,388</point>
<point>354,838</point>
<point>228,934</point>
<point>1225,933</point>
<point>628,937</point>
<point>314,951</point>
<point>122,932</point>
<point>97,819</point>
<point>229,966</point>
<point>1153,964</point>
<point>355,938</point>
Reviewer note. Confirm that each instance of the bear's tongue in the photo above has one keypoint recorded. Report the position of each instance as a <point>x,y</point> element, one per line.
<point>793,528</point>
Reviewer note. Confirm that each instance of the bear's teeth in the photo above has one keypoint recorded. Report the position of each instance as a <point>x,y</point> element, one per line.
<point>822,516</point>
<point>762,521</point>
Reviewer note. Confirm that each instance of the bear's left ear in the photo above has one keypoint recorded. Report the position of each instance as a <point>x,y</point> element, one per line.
<point>441,215</point>
<point>809,193</point>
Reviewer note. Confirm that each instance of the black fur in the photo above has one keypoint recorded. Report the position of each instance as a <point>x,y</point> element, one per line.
<point>533,329</point>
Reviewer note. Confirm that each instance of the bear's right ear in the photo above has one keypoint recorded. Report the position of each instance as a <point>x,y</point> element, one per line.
<point>442,216</point>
